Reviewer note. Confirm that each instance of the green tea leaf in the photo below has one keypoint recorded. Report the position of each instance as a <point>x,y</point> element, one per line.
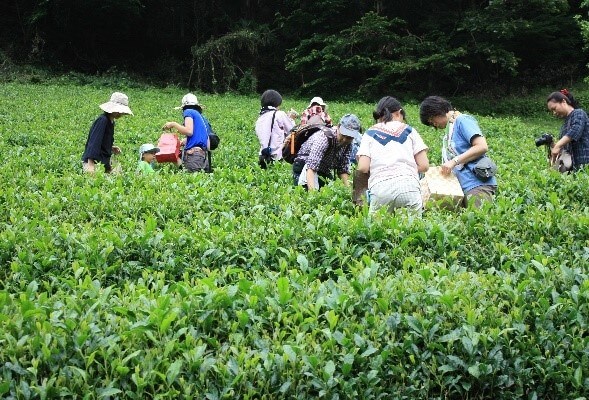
<point>474,370</point>
<point>303,262</point>
<point>332,319</point>
<point>283,286</point>
<point>107,392</point>
<point>329,368</point>
<point>578,377</point>
<point>288,350</point>
<point>4,387</point>
<point>173,371</point>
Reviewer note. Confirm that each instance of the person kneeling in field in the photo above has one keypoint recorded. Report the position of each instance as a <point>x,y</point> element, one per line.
<point>100,143</point>
<point>147,158</point>
<point>393,153</point>
<point>324,151</point>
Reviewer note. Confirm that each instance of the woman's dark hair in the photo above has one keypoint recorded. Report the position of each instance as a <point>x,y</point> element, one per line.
<point>433,106</point>
<point>271,98</point>
<point>193,107</point>
<point>385,109</point>
<point>565,95</point>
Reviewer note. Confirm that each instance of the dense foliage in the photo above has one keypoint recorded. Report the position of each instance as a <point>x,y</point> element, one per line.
<point>237,285</point>
<point>418,47</point>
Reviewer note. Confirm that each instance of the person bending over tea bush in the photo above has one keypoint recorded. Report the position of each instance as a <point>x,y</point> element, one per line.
<point>464,149</point>
<point>100,143</point>
<point>326,150</point>
<point>393,153</point>
<point>195,155</point>
<point>574,133</point>
<point>271,128</point>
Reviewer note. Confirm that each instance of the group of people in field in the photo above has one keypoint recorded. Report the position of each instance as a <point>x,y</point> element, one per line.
<point>195,127</point>
<point>391,153</point>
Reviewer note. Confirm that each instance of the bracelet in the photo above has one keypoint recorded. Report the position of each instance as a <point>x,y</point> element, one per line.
<point>455,159</point>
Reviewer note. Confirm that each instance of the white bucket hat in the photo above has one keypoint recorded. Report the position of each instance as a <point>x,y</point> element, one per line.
<point>317,100</point>
<point>189,100</point>
<point>119,103</point>
<point>147,148</point>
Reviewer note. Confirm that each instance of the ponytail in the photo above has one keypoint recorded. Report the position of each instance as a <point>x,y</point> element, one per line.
<point>565,95</point>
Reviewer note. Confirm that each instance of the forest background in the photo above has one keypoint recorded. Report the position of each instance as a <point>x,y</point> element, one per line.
<point>370,48</point>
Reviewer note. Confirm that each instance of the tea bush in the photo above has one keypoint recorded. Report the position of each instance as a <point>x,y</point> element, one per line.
<point>237,285</point>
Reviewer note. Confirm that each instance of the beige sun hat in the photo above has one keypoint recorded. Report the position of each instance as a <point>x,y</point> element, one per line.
<point>119,103</point>
<point>317,100</point>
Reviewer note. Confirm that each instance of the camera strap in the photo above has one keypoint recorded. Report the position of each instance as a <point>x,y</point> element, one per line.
<point>448,150</point>
<point>271,128</point>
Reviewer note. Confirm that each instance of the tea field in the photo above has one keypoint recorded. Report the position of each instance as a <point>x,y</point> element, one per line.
<point>237,285</point>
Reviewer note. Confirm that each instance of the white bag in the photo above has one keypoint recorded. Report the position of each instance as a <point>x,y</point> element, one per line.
<point>442,190</point>
<point>303,178</point>
<point>564,162</point>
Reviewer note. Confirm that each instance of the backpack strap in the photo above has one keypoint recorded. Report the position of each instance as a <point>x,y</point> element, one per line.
<point>271,127</point>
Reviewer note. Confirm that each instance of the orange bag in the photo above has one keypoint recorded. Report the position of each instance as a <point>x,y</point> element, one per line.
<point>169,146</point>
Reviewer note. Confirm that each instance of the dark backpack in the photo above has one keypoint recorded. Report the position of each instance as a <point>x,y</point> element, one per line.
<point>299,135</point>
<point>213,137</point>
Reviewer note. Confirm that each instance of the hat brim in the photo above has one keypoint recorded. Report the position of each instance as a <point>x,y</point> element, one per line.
<point>150,151</point>
<point>111,107</point>
<point>184,105</point>
<point>321,104</point>
<point>349,132</point>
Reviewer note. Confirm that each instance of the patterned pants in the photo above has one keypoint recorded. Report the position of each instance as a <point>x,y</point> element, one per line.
<point>402,192</point>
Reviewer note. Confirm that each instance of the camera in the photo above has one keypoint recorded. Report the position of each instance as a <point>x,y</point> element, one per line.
<point>267,152</point>
<point>265,157</point>
<point>545,139</point>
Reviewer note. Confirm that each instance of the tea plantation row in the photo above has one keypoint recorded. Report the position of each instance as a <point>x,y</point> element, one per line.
<point>237,285</point>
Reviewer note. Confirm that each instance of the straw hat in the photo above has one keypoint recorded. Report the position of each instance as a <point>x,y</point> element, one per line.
<point>119,103</point>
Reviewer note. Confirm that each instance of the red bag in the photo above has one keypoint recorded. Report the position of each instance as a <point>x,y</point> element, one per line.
<point>169,146</point>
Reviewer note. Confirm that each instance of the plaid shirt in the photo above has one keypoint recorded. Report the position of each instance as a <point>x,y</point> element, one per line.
<point>576,126</point>
<point>322,154</point>
<point>315,110</point>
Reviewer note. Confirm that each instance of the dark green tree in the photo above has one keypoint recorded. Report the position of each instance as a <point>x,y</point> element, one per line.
<point>333,47</point>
